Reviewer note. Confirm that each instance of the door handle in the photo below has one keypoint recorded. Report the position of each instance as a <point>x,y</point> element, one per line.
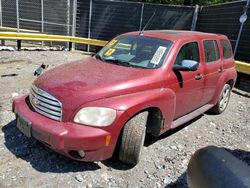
<point>220,69</point>
<point>198,77</point>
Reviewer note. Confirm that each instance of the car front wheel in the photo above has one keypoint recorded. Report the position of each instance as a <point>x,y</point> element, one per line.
<point>133,137</point>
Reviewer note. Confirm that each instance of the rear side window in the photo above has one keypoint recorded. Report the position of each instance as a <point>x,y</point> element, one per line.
<point>189,51</point>
<point>226,48</point>
<point>211,51</point>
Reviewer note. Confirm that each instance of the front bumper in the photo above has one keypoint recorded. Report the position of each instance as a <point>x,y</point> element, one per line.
<point>67,138</point>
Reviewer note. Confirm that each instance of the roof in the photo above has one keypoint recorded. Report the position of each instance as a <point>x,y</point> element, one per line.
<point>174,34</point>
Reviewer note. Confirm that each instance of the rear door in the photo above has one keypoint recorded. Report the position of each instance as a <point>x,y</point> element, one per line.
<point>213,68</point>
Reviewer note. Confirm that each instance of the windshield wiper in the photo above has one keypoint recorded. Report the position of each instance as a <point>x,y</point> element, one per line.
<point>119,62</point>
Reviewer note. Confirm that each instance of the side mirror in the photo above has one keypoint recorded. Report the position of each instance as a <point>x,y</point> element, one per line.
<point>186,65</point>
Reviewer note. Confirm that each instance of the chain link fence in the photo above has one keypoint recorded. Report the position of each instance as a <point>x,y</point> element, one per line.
<point>43,16</point>
<point>105,19</point>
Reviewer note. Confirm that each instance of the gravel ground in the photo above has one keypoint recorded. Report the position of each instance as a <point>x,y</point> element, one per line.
<point>27,163</point>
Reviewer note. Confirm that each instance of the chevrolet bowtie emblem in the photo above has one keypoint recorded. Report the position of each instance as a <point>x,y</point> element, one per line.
<point>36,101</point>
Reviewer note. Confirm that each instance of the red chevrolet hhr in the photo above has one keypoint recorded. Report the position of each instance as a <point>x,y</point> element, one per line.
<point>138,83</point>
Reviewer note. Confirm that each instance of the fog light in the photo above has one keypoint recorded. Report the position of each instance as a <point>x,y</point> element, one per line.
<point>81,153</point>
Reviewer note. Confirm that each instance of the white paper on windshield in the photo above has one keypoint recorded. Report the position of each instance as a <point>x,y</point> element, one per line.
<point>158,55</point>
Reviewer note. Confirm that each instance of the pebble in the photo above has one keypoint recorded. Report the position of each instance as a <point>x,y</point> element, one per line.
<point>158,184</point>
<point>166,181</point>
<point>213,124</point>
<point>79,177</point>
<point>14,95</point>
<point>173,147</point>
<point>198,137</point>
<point>89,185</point>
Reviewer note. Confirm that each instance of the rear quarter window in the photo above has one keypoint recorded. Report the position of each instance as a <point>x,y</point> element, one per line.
<point>211,51</point>
<point>226,48</point>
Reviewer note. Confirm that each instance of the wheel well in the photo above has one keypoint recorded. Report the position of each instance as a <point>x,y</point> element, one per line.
<point>154,121</point>
<point>231,83</point>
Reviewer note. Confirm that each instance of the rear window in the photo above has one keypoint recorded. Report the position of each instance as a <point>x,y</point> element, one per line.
<point>211,51</point>
<point>226,47</point>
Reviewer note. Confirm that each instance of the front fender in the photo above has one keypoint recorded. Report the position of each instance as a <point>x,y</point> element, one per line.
<point>131,104</point>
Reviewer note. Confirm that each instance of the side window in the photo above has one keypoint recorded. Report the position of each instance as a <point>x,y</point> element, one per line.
<point>211,51</point>
<point>189,51</point>
<point>226,48</point>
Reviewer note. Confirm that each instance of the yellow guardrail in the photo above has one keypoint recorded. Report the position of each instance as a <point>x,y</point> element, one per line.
<point>15,29</point>
<point>46,37</point>
<point>242,67</point>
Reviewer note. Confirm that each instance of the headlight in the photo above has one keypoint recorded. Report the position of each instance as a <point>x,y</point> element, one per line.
<point>97,116</point>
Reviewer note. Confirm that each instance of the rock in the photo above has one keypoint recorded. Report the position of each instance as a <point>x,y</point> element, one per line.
<point>180,147</point>
<point>14,95</point>
<point>89,185</point>
<point>79,177</point>
<point>173,147</point>
<point>184,163</point>
<point>158,185</point>
<point>198,137</point>
<point>149,176</point>
<point>145,171</point>
<point>213,124</point>
<point>109,169</point>
<point>166,181</point>
<point>105,177</point>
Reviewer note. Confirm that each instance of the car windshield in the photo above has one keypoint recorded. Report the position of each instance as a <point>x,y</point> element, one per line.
<point>135,51</point>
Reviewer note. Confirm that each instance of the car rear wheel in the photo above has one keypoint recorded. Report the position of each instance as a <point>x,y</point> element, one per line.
<point>133,137</point>
<point>223,100</point>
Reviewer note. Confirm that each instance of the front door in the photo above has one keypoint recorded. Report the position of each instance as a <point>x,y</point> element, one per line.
<point>188,85</point>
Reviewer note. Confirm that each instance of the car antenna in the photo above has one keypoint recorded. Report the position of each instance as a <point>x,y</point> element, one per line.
<point>141,32</point>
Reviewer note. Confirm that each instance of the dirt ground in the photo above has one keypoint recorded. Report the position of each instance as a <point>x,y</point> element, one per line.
<point>27,163</point>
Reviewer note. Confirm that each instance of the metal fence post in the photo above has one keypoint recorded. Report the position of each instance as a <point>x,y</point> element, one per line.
<point>42,19</point>
<point>142,10</point>
<point>90,15</point>
<point>17,15</point>
<point>74,21</point>
<point>195,17</point>
<point>1,21</point>
<point>68,17</point>
<point>1,16</point>
<point>241,28</point>
<point>42,16</point>
<point>68,44</point>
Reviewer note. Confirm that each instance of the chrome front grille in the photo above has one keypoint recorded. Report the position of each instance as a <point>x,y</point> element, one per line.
<point>45,103</point>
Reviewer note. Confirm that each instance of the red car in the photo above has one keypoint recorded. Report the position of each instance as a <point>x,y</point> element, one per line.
<point>139,82</point>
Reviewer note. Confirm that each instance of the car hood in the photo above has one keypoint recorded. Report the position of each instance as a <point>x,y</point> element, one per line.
<point>79,82</point>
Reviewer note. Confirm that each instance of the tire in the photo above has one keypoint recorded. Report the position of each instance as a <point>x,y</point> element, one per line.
<point>133,137</point>
<point>223,100</point>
